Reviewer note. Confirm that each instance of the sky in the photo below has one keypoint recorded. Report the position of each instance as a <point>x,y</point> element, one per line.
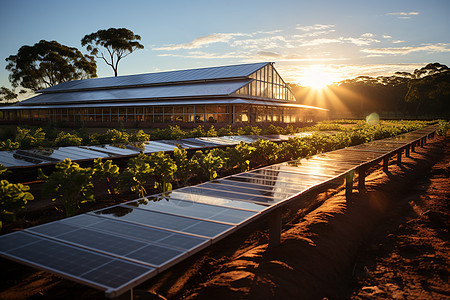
<point>326,40</point>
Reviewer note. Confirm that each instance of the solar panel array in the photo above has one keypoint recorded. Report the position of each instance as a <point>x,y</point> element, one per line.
<point>225,72</point>
<point>38,157</point>
<point>116,248</point>
<point>139,93</point>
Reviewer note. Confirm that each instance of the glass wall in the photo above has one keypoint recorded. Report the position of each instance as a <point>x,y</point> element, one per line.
<point>267,84</point>
<point>208,114</point>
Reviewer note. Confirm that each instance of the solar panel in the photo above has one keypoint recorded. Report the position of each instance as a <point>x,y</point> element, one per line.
<point>143,233</point>
<point>194,209</point>
<point>94,269</point>
<point>165,221</point>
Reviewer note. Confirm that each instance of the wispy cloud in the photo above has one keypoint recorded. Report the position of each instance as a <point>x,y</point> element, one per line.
<point>398,42</point>
<point>403,15</point>
<point>203,41</point>
<point>315,27</point>
<point>439,47</point>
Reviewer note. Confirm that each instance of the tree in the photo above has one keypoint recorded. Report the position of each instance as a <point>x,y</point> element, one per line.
<point>48,63</point>
<point>7,95</point>
<point>118,42</point>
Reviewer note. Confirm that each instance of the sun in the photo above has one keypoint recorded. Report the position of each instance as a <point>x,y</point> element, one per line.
<point>317,77</point>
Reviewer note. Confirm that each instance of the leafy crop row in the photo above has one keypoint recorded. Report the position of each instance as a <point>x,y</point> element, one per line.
<point>73,185</point>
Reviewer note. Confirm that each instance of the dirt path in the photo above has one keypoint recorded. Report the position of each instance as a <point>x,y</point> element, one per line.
<point>390,242</point>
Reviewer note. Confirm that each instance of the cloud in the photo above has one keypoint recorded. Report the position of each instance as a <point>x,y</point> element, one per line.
<point>206,55</point>
<point>439,47</point>
<point>203,41</point>
<point>367,35</point>
<point>314,27</point>
<point>387,37</point>
<point>262,43</point>
<point>403,15</point>
<point>398,42</point>
<point>311,34</point>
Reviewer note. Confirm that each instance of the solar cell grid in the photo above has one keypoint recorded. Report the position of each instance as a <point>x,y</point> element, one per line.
<point>228,195</point>
<point>196,210</point>
<point>273,188</point>
<point>165,221</point>
<point>186,195</point>
<point>137,232</point>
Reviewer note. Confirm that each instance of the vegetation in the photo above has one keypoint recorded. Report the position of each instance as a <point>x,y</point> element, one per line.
<point>118,42</point>
<point>70,184</point>
<point>12,197</point>
<point>48,63</point>
<point>73,185</point>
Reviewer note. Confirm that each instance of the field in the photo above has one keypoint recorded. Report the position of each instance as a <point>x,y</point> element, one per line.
<point>389,242</point>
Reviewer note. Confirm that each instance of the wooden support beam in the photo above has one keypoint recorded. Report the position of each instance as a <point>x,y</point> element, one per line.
<point>385,164</point>
<point>349,184</point>
<point>407,151</point>
<point>421,142</point>
<point>362,178</point>
<point>413,147</point>
<point>399,157</point>
<point>275,226</point>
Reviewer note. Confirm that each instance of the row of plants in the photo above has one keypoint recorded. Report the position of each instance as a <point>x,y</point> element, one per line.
<point>73,185</point>
<point>25,138</point>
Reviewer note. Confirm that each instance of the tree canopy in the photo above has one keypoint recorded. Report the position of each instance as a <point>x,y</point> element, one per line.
<point>7,95</point>
<point>48,63</point>
<point>118,42</point>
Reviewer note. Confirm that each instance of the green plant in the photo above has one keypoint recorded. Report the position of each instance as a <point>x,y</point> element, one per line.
<point>70,184</point>
<point>163,168</point>
<point>267,150</point>
<point>137,175</point>
<point>27,139</point>
<point>67,139</point>
<point>9,145</point>
<point>106,171</point>
<point>224,131</point>
<point>113,136</point>
<point>139,136</point>
<point>185,166</point>
<point>210,162</point>
<point>211,131</point>
<point>197,131</point>
<point>240,156</point>
<point>12,197</point>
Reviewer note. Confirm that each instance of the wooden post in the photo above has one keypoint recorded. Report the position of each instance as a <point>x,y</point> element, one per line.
<point>349,184</point>
<point>421,142</point>
<point>385,164</point>
<point>275,225</point>
<point>362,178</point>
<point>413,147</point>
<point>407,154</point>
<point>399,157</point>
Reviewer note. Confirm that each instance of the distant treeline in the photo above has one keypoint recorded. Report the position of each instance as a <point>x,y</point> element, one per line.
<point>422,93</point>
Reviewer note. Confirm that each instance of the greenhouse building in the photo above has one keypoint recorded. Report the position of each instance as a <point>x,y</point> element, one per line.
<point>242,94</point>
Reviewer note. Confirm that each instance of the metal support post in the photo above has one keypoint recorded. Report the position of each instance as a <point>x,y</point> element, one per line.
<point>407,153</point>
<point>413,147</point>
<point>362,178</point>
<point>385,164</point>
<point>349,183</point>
<point>421,142</point>
<point>399,157</point>
<point>275,225</point>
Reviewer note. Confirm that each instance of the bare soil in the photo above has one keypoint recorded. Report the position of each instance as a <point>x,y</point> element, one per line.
<point>390,242</point>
